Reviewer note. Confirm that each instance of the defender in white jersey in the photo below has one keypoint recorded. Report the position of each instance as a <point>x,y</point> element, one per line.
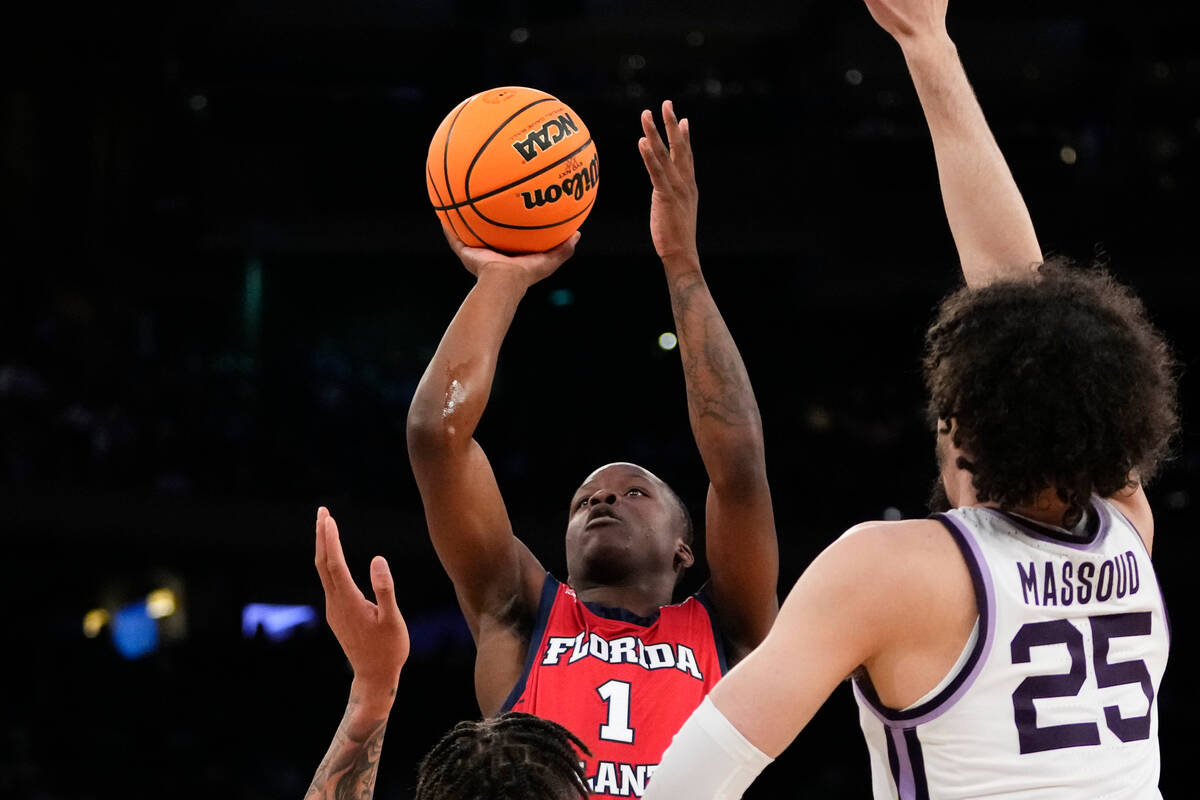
<point>1011,647</point>
<point>1054,694</point>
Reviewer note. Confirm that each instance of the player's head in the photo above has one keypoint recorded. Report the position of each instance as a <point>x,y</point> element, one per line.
<point>625,522</point>
<point>1059,382</point>
<point>512,756</point>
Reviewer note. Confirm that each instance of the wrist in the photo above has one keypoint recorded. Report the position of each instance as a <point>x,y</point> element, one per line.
<point>372,698</point>
<point>504,278</point>
<point>929,46</point>
<point>681,262</point>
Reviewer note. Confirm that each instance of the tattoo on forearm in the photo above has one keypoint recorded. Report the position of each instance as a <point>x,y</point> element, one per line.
<point>349,768</point>
<point>718,385</point>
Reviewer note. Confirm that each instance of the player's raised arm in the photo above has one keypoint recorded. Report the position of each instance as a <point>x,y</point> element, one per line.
<point>742,550</point>
<point>375,640</point>
<point>988,218</point>
<point>468,523</point>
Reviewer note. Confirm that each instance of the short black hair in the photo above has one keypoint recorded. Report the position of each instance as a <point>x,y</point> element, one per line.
<point>512,756</point>
<point>1059,380</point>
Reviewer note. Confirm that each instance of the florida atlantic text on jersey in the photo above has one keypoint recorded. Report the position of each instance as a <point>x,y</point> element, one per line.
<point>623,684</point>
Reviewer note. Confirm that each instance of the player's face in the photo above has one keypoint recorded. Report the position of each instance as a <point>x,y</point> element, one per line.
<point>623,521</point>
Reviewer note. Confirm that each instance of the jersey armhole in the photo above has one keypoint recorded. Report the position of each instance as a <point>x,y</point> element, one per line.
<point>545,604</point>
<point>702,597</point>
<point>956,683</point>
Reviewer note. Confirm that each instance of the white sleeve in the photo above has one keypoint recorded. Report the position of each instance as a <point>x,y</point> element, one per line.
<point>708,759</point>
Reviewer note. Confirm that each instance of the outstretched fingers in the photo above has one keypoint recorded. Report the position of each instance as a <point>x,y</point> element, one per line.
<point>385,589</point>
<point>322,551</point>
<point>338,573</point>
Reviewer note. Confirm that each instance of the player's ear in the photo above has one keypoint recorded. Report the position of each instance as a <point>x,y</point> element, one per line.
<point>684,557</point>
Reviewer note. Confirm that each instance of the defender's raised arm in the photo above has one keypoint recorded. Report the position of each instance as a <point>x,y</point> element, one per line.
<point>988,218</point>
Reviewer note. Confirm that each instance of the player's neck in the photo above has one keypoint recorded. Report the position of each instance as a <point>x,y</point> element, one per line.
<point>1047,508</point>
<point>643,599</point>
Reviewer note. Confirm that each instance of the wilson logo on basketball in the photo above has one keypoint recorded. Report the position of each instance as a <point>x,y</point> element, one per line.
<point>539,141</point>
<point>575,186</point>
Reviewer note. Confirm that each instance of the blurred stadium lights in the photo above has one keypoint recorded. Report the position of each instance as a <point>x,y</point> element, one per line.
<point>561,297</point>
<point>277,621</point>
<point>94,622</point>
<point>668,340</point>
<point>161,603</point>
<point>135,634</point>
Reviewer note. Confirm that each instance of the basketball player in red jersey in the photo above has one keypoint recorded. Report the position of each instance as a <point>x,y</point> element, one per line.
<point>606,654</point>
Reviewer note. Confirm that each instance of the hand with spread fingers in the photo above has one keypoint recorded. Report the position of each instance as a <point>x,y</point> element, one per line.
<point>529,268</point>
<point>373,635</point>
<point>375,639</point>
<point>675,197</point>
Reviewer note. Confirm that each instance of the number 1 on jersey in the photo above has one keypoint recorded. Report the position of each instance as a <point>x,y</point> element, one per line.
<point>616,695</point>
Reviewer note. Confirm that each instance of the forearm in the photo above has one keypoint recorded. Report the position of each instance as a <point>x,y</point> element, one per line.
<point>455,387</point>
<point>721,406</point>
<point>352,762</point>
<point>988,218</point>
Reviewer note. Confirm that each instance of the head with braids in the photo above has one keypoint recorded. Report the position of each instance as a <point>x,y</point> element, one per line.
<point>1057,383</point>
<point>512,756</point>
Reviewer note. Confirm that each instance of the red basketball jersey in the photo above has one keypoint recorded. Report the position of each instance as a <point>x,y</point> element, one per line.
<point>623,684</point>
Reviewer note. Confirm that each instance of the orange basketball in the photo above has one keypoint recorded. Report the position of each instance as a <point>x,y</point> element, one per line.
<point>513,169</point>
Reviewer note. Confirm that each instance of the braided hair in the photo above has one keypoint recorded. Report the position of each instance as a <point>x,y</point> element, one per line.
<point>512,756</point>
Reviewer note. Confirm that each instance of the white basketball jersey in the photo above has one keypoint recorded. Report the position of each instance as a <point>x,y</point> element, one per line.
<point>1054,696</point>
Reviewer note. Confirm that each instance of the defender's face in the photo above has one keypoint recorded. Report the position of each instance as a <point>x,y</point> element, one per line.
<point>623,521</point>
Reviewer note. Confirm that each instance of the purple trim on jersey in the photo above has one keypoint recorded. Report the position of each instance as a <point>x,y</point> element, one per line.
<point>917,759</point>
<point>1046,533</point>
<point>985,602</point>
<point>893,757</point>
<point>908,771</point>
<point>718,634</point>
<point>1137,535</point>
<point>545,605</point>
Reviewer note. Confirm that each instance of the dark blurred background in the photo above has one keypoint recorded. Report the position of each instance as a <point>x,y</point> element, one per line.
<point>222,281</point>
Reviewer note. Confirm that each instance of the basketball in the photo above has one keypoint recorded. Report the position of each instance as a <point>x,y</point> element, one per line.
<point>512,169</point>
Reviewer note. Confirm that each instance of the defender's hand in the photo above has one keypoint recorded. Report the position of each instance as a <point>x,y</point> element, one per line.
<point>910,20</point>
<point>675,197</point>
<point>528,269</point>
<point>373,635</point>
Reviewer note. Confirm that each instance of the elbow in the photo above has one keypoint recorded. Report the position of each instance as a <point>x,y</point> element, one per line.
<point>428,433</point>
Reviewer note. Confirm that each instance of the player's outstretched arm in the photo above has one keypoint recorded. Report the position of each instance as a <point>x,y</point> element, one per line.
<point>867,591</point>
<point>375,640</point>
<point>742,550</point>
<point>467,519</point>
<point>988,218</point>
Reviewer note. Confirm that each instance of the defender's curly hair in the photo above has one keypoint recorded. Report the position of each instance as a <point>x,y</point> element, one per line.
<point>1057,381</point>
<point>512,756</point>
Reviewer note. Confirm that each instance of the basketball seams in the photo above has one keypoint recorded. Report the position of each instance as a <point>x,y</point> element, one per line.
<point>583,210</point>
<point>446,173</point>
<point>488,140</point>
<point>471,201</point>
